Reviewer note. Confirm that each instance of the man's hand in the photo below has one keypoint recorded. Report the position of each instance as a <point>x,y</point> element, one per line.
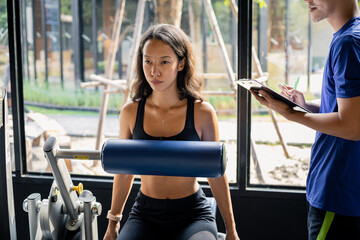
<point>265,99</point>
<point>293,94</point>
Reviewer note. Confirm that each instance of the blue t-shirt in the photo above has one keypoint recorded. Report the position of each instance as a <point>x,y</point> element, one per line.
<point>333,183</point>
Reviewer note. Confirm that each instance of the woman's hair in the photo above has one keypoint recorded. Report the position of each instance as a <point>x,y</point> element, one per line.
<point>187,84</point>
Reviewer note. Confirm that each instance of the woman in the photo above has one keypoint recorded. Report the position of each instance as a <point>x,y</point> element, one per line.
<point>166,104</point>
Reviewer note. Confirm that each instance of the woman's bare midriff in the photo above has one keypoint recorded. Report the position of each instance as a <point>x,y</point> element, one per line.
<point>164,187</point>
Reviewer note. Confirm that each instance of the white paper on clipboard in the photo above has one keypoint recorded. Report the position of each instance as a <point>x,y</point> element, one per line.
<point>256,86</point>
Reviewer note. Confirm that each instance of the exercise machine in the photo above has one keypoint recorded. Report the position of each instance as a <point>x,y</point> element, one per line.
<point>71,212</point>
<point>7,216</point>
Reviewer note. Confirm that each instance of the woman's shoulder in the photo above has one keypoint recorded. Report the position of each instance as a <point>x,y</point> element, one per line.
<point>203,107</point>
<point>206,120</point>
<point>204,112</point>
<point>127,119</point>
<point>130,107</point>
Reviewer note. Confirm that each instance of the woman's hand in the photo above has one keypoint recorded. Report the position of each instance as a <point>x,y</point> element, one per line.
<point>112,230</point>
<point>232,235</point>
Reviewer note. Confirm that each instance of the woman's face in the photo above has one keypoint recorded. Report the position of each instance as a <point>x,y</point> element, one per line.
<point>160,65</point>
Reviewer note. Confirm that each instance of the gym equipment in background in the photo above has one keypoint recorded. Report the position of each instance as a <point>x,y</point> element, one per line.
<point>69,212</point>
<point>165,158</point>
<point>8,226</point>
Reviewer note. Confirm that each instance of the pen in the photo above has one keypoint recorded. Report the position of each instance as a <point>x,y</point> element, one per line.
<point>296,83</point>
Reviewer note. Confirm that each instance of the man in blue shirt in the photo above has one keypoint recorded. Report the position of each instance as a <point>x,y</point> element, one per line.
<point>333,183</point>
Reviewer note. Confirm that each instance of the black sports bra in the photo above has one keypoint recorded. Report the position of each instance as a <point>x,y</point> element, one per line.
<point>187,134</point>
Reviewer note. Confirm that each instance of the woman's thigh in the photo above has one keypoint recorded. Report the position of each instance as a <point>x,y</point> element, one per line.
<point>136,229</point>
<point>198,230</point>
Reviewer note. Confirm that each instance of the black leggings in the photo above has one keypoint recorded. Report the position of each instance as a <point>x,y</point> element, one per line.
<point>187,218</point>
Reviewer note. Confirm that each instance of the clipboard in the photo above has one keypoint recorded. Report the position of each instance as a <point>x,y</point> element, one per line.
<point>256,86</point>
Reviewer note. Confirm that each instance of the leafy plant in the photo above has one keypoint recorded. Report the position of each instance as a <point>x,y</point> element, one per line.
<point>3,15</point>
<point>262,3</point>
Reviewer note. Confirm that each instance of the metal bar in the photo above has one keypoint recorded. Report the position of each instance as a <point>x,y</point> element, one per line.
<point>119,59</point>
<point>94,36</point>
<point>77,44</point>
<point>90,221</point>
<point>78,154</point>
<point>43,26</point>
<point>30,206</point>
<point>62,178</point>
<point>204,34</point>
<point>263,20</point>
<point>16,75</point>
<point>34,37</point>
<point>7,216</point>
<point>60,46</point>
<point>233,40</point>
<point>25,36</point>
<point>243,109</point>
<point>14,40</point>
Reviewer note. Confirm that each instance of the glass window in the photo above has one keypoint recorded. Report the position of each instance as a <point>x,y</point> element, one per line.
<point>70,49</point>
<point>284,50</point>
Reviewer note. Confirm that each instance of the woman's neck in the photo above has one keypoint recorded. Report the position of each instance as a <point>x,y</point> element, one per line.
<point>164,101</point>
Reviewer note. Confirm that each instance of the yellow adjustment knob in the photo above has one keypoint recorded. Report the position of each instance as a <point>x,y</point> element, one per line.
<point>79,188</point>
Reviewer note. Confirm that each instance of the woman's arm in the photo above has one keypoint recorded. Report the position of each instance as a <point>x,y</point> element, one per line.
<point>220,189</point>
<point>121,189</point>
<point>122,183</point>
<point>206,120</point>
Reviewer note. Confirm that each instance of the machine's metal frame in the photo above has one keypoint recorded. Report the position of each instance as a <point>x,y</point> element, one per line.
<point>64,214</point>
<point>63,211</point>
<point>7,216</point>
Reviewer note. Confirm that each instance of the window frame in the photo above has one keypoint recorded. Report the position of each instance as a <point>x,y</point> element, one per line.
<point>244,116</point>
<point>241,188</point>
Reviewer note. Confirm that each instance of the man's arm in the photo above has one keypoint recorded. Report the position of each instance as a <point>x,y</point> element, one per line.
<point>344,124</point>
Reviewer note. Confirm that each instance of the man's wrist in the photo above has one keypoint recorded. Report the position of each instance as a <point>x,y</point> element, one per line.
<point>291,115</point>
